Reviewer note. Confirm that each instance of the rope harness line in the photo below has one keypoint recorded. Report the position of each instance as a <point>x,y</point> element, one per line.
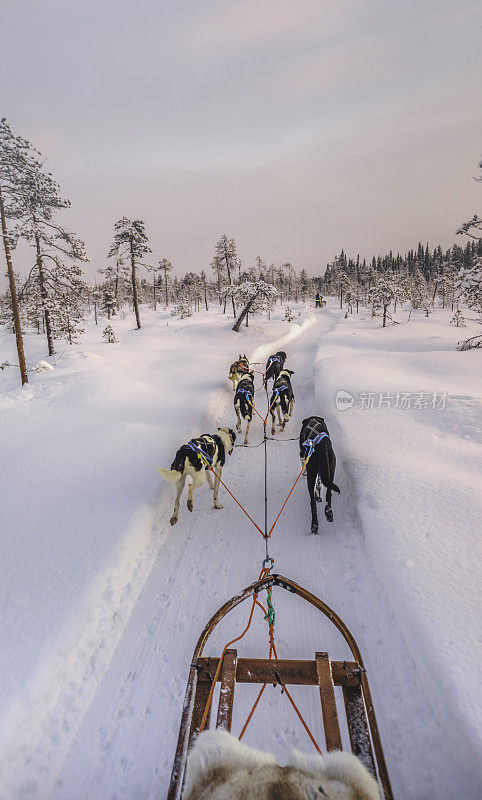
<point>269,613</point>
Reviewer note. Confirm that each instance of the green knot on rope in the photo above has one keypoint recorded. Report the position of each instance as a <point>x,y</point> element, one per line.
<point>271,612</point>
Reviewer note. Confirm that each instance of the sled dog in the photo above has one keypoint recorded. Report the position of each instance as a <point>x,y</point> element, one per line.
<point>244,402</point>
<point>219,767</point>
<point>194,459</point>
<point>274,365</point>
<point>282,399</point>
<point>320,468</point>
<point>238,369</point>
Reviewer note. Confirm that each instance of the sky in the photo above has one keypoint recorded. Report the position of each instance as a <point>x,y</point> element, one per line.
<point>298,127</point>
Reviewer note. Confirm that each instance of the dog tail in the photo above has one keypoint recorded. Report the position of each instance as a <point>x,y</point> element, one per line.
<point>170,475</point>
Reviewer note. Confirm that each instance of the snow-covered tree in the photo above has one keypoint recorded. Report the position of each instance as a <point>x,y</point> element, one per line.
<point>288,314</point>
<point>182,309</point>
<point>255,297</point>
<point>18,159</point>
<point>458,319</point>
<point>58,251</point>
<point>131,242</point>
<point>109,334</point>
<point>468,285</point>
<point>165,266</point>
<point>108,303</point>
<point>224,265</point>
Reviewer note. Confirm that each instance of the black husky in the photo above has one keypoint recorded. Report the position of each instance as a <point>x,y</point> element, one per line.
<point>282,399</point>
<point>274,365</point>
<point>315,440</point>
<point>244,402</point>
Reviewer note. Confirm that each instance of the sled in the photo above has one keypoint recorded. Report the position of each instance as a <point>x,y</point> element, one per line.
<point>323,673</point>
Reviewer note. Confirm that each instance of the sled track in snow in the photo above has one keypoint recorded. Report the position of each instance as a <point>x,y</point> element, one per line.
<point>131,729</point>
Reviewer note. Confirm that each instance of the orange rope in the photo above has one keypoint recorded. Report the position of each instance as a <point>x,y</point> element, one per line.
<point>282,507</point>
<point>272,651</point>
<point>262,574</point>
<point>237,501</point>
<point>257,412</point>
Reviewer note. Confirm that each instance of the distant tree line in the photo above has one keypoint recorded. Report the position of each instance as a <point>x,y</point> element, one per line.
<point>54,299</point>
<point>424,277</point>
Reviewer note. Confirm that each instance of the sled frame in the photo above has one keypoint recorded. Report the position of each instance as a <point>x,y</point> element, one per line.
<point>350,675</point>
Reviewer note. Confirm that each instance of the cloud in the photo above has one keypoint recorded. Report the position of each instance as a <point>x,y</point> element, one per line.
<point>236,24</point>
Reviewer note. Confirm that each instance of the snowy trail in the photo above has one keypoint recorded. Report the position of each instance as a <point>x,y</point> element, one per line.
<point>125,745</point>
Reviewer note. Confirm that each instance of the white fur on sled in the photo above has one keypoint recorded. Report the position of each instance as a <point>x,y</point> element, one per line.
<point>219,767</point>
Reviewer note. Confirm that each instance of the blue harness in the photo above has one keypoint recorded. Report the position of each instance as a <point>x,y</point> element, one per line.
<point>200,452</point>
<point>311,443</point>
<point>247,392</point>
<point>271,359</point>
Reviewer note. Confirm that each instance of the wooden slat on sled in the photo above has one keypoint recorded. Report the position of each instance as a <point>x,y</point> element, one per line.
<point>358,711</point>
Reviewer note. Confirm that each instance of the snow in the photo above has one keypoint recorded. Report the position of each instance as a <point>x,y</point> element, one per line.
<point>102,601</point>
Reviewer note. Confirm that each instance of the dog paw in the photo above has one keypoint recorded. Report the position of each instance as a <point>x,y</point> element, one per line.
<point>329,514</point>
<point>173,520</point>
<point>218,505</point>
<point>314,529</point>
<point>190,505</point>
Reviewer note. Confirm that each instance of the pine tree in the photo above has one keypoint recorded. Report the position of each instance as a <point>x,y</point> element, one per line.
<point>17,160</point>
<point>109,334</point>
<point>166,266</point>
<point>108,303</point>
<point>130,241</point>
<point>468,285</point>
<point>224,262</point>
<point>57,250</point>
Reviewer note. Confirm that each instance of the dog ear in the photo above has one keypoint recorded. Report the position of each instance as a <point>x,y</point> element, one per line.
<point>291,371</point>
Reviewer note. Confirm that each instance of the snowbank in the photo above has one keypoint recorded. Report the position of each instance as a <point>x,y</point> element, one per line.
<point>416,475</point>
<point>86,514</point>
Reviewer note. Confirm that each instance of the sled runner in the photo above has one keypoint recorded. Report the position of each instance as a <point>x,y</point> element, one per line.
<point>323,673</point>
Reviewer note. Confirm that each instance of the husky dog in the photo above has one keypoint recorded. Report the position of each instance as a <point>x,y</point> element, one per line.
<point>282,399</point>
<point>238,369</point>
<point>190,460</point>
<point>274,365</point>
<point>320,468</point>
<point>244,402</point>
<point>219,767</point>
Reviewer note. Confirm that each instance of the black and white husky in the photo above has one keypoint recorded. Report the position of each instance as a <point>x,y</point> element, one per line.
<point>274,365</point>
<point>194,459</point>
<point>320,469</point>
<point>244,402</point>
<point>282,399</point>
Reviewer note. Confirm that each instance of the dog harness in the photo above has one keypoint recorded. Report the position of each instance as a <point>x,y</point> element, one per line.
<point>246,392</point>
<point>311,443</point>
<point>271,360</point>
<point>205,459</point>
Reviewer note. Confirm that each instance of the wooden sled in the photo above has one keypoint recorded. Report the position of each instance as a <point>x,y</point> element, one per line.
<point>350,675</point>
